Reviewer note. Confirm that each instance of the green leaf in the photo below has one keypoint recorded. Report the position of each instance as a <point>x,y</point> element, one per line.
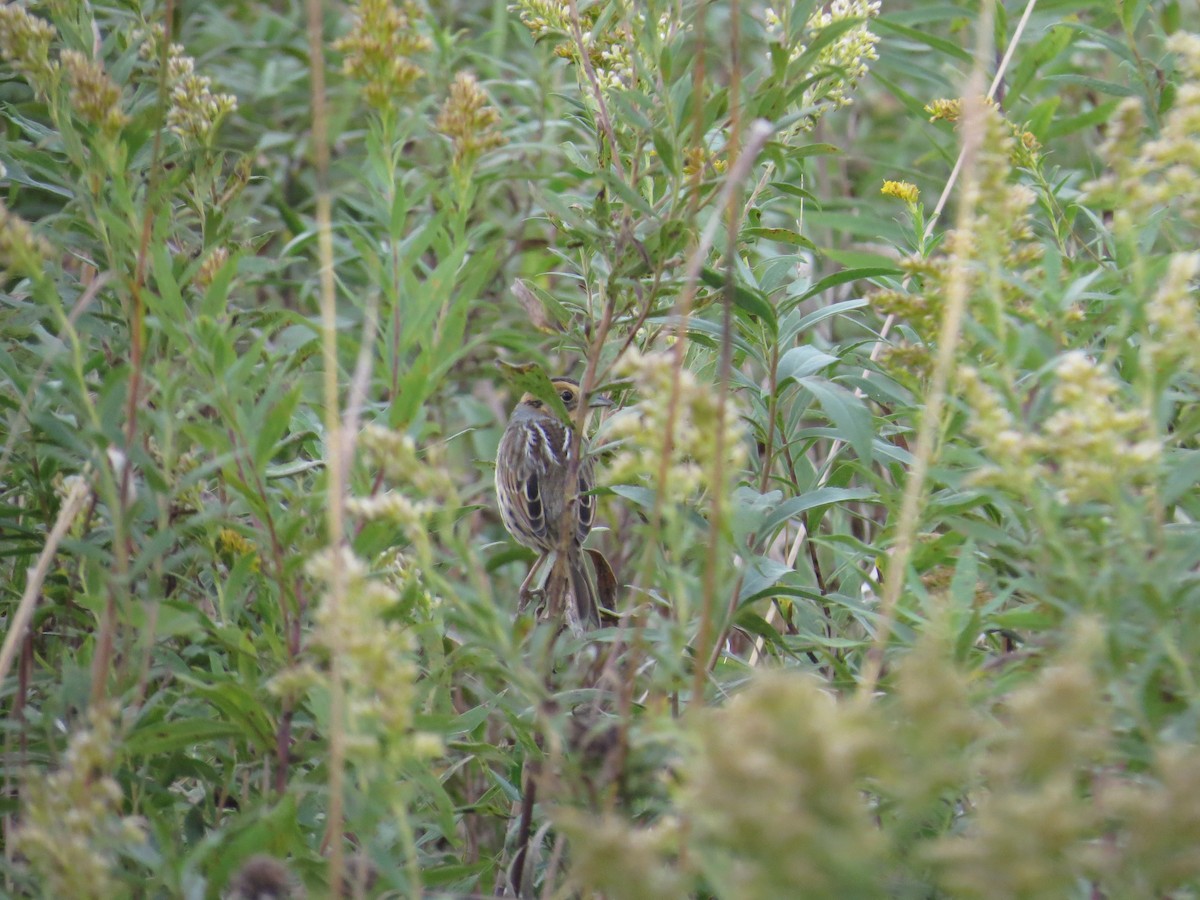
<point>665,148</point>
<point>640,496</point>
<point>780,235</point>
<point>760,575</point>
<point>749,507</point>
<point>801,361</point>
<point>1056,39</point>
<point>272,424</point>
<point>752,623</point>
<point>703,327</point>
<point>886,24</point>
<point>847,275</point>
<point>1062,126</point>
<point>1131,14</point>
<point>793,327</point>
<point>1183,474</point>
<point>184,734</point>
<point>823,496</point>
<point>753,302</point>
<point>1097,85</point>
<point>813,150</point>
<point>167,301</point>
<point>846,411</point>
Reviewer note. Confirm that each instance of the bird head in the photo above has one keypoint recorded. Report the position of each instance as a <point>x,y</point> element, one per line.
<point>568,392</point>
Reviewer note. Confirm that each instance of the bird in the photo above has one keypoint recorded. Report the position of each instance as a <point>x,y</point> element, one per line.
<point>538,507</point>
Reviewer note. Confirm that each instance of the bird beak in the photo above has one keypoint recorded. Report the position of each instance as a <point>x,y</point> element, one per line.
<point>598,400</point>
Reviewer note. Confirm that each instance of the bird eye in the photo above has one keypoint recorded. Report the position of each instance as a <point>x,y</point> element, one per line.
<point>566,396</point>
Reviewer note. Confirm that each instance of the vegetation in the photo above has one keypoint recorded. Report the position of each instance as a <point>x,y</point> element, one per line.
<point>898,306</point>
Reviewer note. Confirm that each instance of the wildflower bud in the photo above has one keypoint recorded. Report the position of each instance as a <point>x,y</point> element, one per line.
<point>469,120</point>
<point>94,96</point>
<point>25,44</point>
<point>21,251</point>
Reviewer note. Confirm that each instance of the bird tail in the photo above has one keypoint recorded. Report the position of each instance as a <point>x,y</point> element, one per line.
<point>583,605</point>
<point>580,595</point>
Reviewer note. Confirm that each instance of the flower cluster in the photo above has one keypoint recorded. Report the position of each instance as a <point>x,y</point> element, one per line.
<point>232,546</point>
<point>841,64</point>
<point>195,110</point>
<point>612,856</point>
<point>611,60</point>
<point>469,120</point>
<point>71,828</point>
<point>669,433</point>
<point>395,455</point>
<point>212,264</point>
<point>1050,732</point>
<point>1001,220</point>
<point>380,47</point>
<point>998,239</point>
<point>1158,811</point>
<point>405,577</point>
<point>25,44</point>
<point>544,17</point>
<point>94,96</point>
<point>1173,316</point>
<point>701,160</point>
<point>1087,448</point>
<point>944,109</point>
<point>21,251</point>
<point>908,362</point>
<point>1012,453</point>
<point>410,516</point>
<point>901,190</point>
<point>374,650</point>
<point>1025,146</point>
<point>932,719</point>
<point>773,795</point>
<point>608,50</point>
<point>1161,172</point>
<point>1096,444</point>
<point>986,788</point>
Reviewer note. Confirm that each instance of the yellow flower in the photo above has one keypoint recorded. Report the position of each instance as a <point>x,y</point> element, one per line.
<point>947,110</point>
<point>901,190</point>
<point>232,545</point>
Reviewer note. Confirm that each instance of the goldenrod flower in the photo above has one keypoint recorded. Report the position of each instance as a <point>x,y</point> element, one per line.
<point>195,110</point>
<point>379,48</point>
<point>374,652</point>
<point>848,55</point>
<point>944,110</point>
<point>901,190</point>
<point>71,828</point>
<point>21,250</point>
<point>469,120</point>
<point>94,96</point>
<point>683,430</point>
<point>25,43</point>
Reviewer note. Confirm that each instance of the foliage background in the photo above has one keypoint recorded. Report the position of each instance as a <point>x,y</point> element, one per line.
<point>932,473</point>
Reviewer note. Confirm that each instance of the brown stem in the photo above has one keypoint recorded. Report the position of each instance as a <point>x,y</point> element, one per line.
<point>524,827</point>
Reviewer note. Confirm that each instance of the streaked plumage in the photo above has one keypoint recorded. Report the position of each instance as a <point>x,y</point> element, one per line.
<point>531,486</point>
